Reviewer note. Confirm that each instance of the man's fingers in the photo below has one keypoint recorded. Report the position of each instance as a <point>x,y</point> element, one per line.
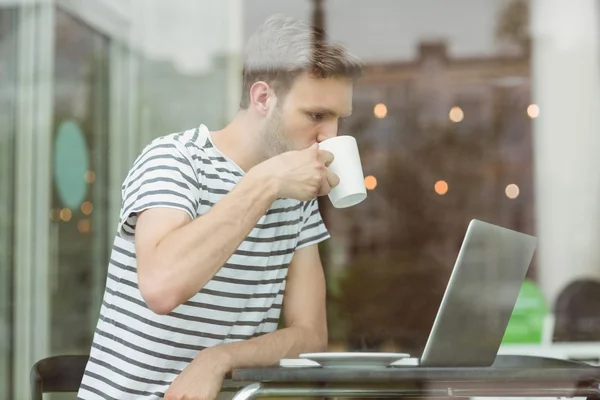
<point>332,179</point>
<point>325,157</point>
<point>328,182</point>
<point>324,189</point>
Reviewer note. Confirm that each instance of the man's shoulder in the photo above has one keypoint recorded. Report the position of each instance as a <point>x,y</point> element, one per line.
<point>192,140</point>
<point>179,151</point>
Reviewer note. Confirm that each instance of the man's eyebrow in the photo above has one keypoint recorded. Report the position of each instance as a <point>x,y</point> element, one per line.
<point>327,111</point>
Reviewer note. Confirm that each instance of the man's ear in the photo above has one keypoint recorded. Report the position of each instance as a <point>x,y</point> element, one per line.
<point>262,97</point>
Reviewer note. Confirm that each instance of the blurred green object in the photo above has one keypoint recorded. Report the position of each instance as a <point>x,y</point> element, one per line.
<point>71,162</point>
<point>527,320</point>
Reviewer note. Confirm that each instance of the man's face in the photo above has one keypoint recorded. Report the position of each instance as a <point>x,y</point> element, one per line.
<point>309,113</point>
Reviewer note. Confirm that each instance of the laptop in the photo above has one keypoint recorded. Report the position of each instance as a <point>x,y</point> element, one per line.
<point>479,299</point>
<point>474,312</point>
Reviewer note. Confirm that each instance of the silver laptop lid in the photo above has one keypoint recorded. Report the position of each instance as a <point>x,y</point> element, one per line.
<point>480,297</point>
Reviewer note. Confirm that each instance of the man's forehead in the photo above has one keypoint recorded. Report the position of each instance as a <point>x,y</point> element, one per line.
<point>306,81</point>
<point>326,96</point>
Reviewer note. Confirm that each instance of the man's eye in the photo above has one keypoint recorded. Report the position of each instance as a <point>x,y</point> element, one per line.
<point>317,117</point>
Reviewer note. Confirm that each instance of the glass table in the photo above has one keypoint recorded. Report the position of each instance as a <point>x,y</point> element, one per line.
<point>510,376</point>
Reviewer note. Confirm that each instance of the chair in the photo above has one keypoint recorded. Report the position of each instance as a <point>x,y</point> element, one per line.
<point>57,374</point>
<point>577,312</point>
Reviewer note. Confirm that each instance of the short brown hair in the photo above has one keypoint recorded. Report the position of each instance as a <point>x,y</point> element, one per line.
<point>282,48</point>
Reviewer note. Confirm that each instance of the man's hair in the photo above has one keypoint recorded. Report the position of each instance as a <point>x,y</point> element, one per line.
<point>283,48</point>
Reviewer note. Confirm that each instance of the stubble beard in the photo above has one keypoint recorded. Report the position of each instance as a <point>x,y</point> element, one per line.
<point>274,139</point>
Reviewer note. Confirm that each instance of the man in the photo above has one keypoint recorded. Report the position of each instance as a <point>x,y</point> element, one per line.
<point>218,232</point>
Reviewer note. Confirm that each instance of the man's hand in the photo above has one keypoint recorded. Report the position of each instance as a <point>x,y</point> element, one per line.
<point>202,378</point>
<point>301,174</point>
<point>306,331</point>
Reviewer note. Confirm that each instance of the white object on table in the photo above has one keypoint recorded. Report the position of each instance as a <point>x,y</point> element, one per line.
<point>354,359</point>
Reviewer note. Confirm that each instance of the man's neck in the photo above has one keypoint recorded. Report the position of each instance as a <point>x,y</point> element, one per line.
<point>240,141</point>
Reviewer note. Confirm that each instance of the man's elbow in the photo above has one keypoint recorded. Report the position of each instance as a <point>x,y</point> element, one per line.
<point>158,296</point>
<point>159,306</point>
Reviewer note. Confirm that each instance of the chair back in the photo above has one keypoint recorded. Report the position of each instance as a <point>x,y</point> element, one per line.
<point>57,374</point>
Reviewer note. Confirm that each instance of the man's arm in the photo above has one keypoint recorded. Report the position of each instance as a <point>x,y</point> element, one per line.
<point>305,331</point>
<point>170,247</point>
<point>305,320</point>
<point>176,258</point>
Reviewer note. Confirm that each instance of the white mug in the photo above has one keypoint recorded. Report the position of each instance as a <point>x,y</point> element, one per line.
<point>347,166</point>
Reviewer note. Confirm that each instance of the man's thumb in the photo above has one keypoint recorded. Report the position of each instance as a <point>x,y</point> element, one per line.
<point>315,145</point>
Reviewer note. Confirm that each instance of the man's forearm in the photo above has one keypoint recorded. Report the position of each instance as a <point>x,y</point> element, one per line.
<point>268,349</point>
<point>186,259</point>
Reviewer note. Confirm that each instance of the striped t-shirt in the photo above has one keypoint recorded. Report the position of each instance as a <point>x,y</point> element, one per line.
<point>136,353</point>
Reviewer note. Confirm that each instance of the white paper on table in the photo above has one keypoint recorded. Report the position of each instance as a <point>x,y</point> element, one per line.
<point>297,363</point>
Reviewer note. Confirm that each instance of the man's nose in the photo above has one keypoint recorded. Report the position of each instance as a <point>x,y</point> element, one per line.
<point>328,131</point>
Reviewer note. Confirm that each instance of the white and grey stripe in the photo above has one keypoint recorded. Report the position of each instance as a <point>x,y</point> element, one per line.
<point>137,353</point>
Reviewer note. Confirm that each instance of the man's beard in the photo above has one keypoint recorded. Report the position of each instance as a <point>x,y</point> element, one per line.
<point>274,139</point>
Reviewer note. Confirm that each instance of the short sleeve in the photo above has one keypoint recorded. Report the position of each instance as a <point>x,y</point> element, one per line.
<point>162,176</point>
<point>313,229</point>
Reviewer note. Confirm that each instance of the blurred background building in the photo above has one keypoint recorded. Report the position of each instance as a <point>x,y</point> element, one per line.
<point>483,109</point>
